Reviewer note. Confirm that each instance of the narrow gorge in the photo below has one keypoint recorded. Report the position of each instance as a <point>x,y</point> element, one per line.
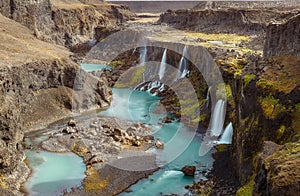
<point>99,100</point>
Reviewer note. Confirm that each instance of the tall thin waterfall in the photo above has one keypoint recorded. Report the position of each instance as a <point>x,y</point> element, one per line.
<point>218,118</point>
<point>143,56</point>
<point>182,67</point>
<point>226,137</point>
<point>162,67</point>
<point>206,102</point>
<point>134,50</point>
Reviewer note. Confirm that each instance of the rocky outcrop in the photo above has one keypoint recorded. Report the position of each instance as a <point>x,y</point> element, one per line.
<point>65,22</point>
<point>239,21</point>
<point>189,170</point>
<point>264,106</point>
<point>283,38</point>
<point>284,5</point>
<point>278,170</point>
<point>39,84</point>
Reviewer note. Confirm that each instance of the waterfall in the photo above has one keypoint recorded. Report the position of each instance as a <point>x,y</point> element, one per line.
<point>218,118</point>
<point>207,95</point>
<point>226,137</point>
<point>161,88</point>
<point>206,101</point>
<point>153,85</point>
<point>182,66</point>
<point>162,67</point>
<point>134,50</point>
<point>143,56</point>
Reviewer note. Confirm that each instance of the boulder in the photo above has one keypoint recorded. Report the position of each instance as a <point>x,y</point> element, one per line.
<point>189,170</point>
<point>72,123</point>
<point>159,145</point>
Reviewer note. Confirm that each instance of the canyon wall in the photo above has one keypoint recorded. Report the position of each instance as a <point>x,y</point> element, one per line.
<point>64,22</point>
<point>230,20</point>
<point>283,38</point>
<point>264,93</point>
<point>39,84</point>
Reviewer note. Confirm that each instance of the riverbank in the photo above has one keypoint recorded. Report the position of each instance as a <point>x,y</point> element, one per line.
<point>109,152</point>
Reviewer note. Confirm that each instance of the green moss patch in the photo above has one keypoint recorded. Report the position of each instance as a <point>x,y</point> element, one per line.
<point>248,78</point>
<point>271,107</point>
<point>247,189</point>
<point>281,75</point>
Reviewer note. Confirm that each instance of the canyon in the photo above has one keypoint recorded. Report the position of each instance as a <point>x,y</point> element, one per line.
<point>255,49</point>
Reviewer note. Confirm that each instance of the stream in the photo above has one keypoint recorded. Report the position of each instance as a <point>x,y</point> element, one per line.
<point>141,106</point>
<point>52,173</point>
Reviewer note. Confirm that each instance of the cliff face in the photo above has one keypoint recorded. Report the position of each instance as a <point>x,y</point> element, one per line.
<point>65,22</point>
<point>265,107</point>
<point>38,84</point>
<point>283,38</point>
<point>239,21</point>
<point>283,5</point>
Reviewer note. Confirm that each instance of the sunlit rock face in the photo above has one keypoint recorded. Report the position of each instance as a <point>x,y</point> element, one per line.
<point>64,22</point>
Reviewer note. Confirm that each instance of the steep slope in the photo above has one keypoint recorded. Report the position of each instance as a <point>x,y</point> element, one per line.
<point>65,22</point>
<point>283,38</point>
<point>38,84</point>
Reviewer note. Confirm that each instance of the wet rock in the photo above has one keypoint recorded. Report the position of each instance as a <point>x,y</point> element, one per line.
<point>159,144</point>
<point>189,170</point>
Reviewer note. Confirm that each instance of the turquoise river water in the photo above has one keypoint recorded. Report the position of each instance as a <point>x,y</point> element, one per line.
<point>55,172</point>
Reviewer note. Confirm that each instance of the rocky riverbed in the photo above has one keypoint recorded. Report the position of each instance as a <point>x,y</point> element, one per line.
<point>38,85</point>
<point>109,151</point>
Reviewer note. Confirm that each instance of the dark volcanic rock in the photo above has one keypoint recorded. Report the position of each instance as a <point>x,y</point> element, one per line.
<point>283,38</point>
<point>278,170</point>
<point>189,170</point>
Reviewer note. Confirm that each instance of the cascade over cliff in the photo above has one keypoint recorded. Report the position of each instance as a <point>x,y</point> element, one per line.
<point>39,84</point>
<point>65,22</point>
<point>263,93</point>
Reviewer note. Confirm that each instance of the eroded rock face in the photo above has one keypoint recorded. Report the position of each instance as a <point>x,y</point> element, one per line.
<point>225,21</point>
<point>39,84</point>
<point>233,20</point>
<point>283,38</point>
<point>64,22</point>
<point>278,170</point>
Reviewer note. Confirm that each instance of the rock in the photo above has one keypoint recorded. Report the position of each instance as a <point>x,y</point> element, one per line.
<point>120,132</point>
<point>69,130</point>
<point>159,145</point>
<point>189,170</point>
<point>72,123</point>
<point>136,143</point>
<point>278,170</point>
<point>282,38</point>
<point>56,19</point>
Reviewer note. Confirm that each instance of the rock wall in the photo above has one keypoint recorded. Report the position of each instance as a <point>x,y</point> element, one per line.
<point>287,5</point>
<point>239,21</point>
<point>64,22</point>
<point>278,170</point>
<point>265,106</point>
<point>39,84</point>
<point>283,38</point>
